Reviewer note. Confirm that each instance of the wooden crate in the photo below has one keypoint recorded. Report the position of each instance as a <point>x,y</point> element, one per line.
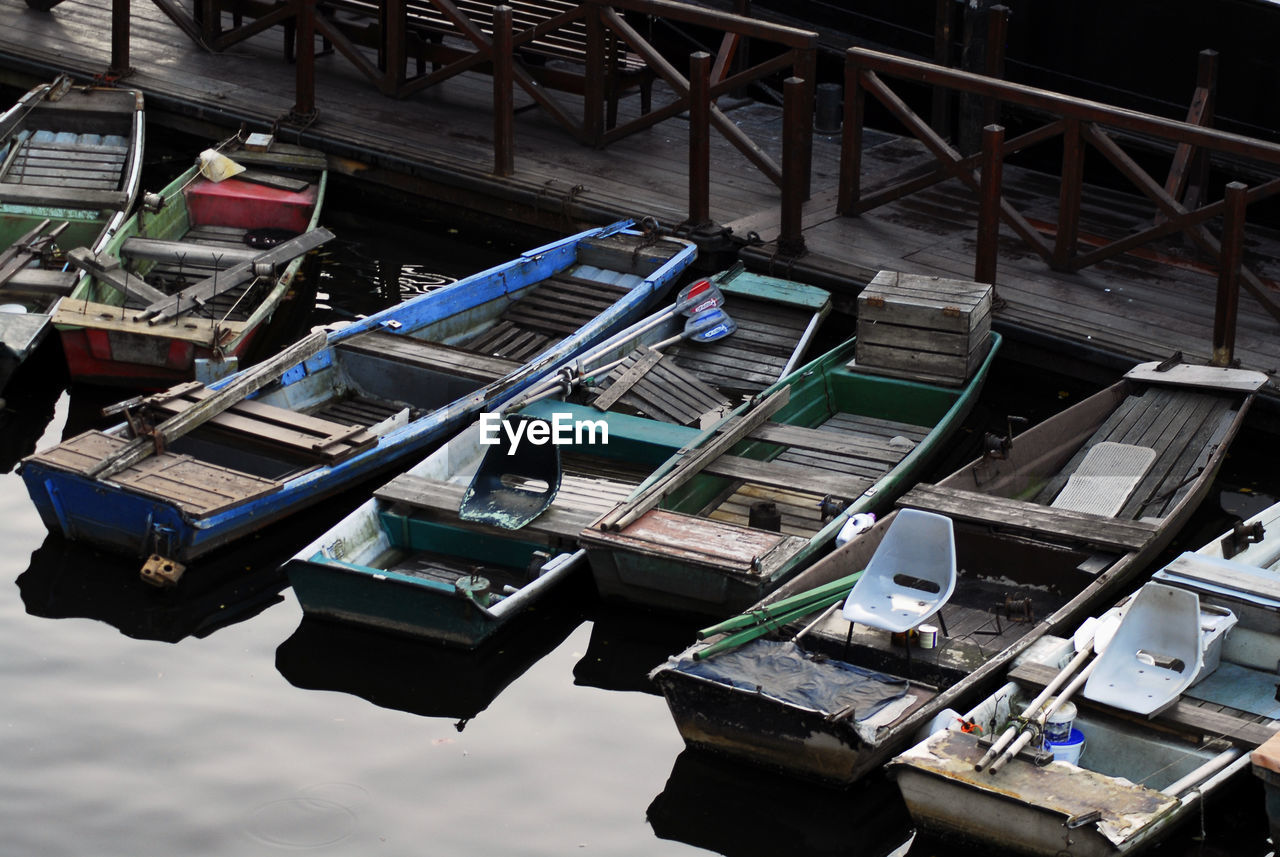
<point>927,328</point>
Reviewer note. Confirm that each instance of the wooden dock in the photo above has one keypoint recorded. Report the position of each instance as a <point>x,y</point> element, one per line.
<point>437,145</point>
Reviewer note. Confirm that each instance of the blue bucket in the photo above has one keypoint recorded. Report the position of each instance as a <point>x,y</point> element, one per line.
<point>1068,750</point>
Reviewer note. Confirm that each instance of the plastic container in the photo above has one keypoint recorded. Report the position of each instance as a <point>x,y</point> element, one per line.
<point>1057,727</point>
<point>1215,623</point>
<point>928,636</point>
<point>1068,750</point>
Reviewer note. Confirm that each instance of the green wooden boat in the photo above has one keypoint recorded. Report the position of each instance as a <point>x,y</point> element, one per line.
<point>711,534</point>
<point>70,165</point>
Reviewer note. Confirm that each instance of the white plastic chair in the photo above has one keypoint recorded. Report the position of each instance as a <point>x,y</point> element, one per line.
<point>1154,655</point>
<point>910,576</point>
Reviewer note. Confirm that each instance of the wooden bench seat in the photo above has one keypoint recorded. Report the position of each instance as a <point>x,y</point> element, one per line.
<point>448,359</point>
<point>296,432</point>
<point>1020,515</point>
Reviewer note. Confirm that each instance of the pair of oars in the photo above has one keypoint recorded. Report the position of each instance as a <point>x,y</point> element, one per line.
<point>1089,641</point>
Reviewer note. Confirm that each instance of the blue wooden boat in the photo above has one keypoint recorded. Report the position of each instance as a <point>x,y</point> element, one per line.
<point>199,466</point>
<point>407,562</point>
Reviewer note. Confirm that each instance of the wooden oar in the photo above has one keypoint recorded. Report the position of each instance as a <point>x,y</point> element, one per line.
<point>176,426</point>
<point>1083,641</point>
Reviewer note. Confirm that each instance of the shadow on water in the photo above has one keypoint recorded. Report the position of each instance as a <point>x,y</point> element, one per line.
<point>422,677</point>
<point>626,644</point>
<point>740,811</point>
<point>29,399</point>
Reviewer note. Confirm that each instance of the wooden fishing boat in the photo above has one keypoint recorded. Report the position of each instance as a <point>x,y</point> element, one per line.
<point>408,561</point>
<point>1019,543</point>
<point>1130,724</point>
<point>199,466</point>
<point>70,166</point>
<point>186,286</point>
<point>712,534</point>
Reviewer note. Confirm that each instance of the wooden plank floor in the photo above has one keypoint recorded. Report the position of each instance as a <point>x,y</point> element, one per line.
<point>439,142</point>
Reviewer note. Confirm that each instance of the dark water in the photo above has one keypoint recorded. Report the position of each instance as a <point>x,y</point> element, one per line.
<point>212,720</point>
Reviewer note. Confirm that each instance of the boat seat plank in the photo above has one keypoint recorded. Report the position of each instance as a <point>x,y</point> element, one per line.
<point>446,359</point>
<point>187,253</point>
<point>1188,455</point>
<point>69,197</point>
<point>1183,713</point>
<point>1020,515</point>
<point>198,487</point>
<point>330,441</point>
<point>781,474</point>
<point>837,443</point>
<point>430,495</point>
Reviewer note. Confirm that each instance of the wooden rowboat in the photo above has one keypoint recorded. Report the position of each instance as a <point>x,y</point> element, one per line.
<point>1153,737</point>
<point>1040,535</point>
<point>188,284</point>
<point>714,533</point>
<point>408,562</point>
<point>70,166</point>
<point>199,466</point>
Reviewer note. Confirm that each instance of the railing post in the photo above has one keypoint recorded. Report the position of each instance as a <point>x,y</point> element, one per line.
<point>997,31</point>
<point>806,72</point>
<point>119,38</point>
<point>1064,246</point>
<point>504,162</point>
<point>699,138</point>
<point>797,131</point>
<point>598,70</point>
<point>1224,317</point>
<point>304,71</point>
<point>984,264</point>
<point>850,189</point>
<point>943,24</point>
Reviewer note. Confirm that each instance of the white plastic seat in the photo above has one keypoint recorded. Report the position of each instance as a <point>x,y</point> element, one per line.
<point>1154,655</point>
<point>910,576</point>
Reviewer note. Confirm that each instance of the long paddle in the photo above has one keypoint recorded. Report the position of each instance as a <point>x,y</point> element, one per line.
<point>179,424</point>
<point>512,487</point>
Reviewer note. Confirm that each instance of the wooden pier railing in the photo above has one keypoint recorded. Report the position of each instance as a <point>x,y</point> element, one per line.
<point>1077,123</point>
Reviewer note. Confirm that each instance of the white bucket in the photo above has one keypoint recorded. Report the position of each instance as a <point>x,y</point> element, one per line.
<point>1068,750</point>
<point>1057,727</point>
<point>928,636</point>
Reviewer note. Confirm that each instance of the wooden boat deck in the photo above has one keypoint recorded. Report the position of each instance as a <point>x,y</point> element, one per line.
<point>1183,427</point>
<point>838,459</point>
<point>177,274</point>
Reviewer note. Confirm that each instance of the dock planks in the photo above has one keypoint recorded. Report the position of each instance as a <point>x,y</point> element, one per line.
<point>439,142</point>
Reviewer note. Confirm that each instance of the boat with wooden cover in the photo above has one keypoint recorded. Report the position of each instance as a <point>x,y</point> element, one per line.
<point>712,533</point>
<point>1020,543</point>
<point>70,167</point>
<point>1131,723</point>
<point>407,561</point>
<point>187,285</point>
<point>199,466</point>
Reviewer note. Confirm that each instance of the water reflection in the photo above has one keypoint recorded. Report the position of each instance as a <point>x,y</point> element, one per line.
<point>741,811</point>
<point>421,677</point>
<point>66,580</point>
<point>627,643</point>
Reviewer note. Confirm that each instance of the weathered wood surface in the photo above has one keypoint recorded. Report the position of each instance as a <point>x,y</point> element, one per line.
<point>1019,515</point>
<point>1139,307</point>
<point>429,355</point>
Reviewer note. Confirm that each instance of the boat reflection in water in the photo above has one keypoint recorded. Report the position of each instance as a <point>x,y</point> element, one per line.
<point>740,810</point>
<point>419,676</point>
<point>66,580</point>
<point>627,643</point>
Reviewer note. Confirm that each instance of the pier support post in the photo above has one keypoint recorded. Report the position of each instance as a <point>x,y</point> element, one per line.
<point>699,138</point>
<point>305,61</point>
<point>504,140</point>
<point>1064,245</point>
<point>850,189</point>
<point>797,134</point>
<point>119,38</point>
<point>984,264</point>
<point>1224,317</point>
